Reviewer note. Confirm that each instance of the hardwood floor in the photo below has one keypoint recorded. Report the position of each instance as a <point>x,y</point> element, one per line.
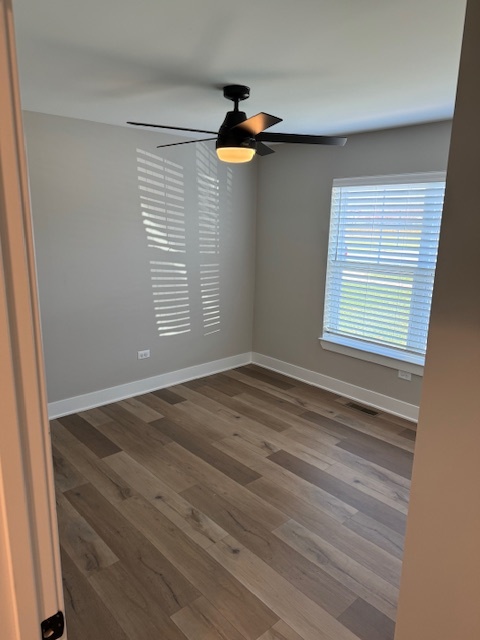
<point>241,506</point>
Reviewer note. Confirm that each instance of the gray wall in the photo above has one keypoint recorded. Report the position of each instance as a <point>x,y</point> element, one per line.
<point>94,263</point>
<point>293,210</point>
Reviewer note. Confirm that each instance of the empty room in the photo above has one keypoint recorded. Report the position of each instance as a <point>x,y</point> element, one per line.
<point>246,234</point>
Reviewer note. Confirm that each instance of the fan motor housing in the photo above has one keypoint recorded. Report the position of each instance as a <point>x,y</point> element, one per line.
<point>228,136</point>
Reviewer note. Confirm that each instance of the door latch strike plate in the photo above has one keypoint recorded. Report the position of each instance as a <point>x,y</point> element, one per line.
<point>53,627</point>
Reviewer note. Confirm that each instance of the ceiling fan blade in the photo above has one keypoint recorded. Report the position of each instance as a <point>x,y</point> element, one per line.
<point>301,138</point>
<point>263,150</point>
<point>175,144</point>
<point>258,123</point>
<point>163,126</point>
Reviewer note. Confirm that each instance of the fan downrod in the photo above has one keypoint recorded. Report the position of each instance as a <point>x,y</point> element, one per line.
<point>236,92</point>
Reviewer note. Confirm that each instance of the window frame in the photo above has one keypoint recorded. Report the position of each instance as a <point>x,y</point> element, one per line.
<point>355,347</point>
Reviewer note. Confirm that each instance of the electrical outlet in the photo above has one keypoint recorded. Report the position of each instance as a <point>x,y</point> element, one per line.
<point>141,355</point>
<point>405,375</point>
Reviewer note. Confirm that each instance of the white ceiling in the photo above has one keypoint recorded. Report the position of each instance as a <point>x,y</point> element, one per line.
<point>324,66</point>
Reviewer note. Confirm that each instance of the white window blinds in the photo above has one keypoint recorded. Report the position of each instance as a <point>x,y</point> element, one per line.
<point>382,253</point>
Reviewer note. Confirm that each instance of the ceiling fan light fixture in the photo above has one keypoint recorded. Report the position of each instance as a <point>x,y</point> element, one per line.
<point>233,144</point>
<point>240,138</point>
<point>235,154</point>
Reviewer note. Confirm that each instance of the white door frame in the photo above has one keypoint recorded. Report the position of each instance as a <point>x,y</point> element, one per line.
<point>30,574</point>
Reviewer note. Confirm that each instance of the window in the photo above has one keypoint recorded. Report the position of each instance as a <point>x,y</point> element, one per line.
<point>382,254</point>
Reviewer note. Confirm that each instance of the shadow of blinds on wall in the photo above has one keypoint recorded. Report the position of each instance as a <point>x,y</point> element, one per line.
<point>209,237</point>
<point>162,198</point>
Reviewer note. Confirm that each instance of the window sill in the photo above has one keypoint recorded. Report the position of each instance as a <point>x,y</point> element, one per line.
<point>377,358</point>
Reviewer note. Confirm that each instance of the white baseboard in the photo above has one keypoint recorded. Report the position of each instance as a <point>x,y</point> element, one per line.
<point>359,394</point>
<point>114,394</point>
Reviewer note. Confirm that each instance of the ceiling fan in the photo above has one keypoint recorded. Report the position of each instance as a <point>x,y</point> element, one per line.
<point>240,138</point>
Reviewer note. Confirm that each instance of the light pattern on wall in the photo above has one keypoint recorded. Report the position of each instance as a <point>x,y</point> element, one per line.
<point>171,297</point>
<point>162,197</point>
<point>210,292</point>
<point>161,183</point>
<point>209,237</point>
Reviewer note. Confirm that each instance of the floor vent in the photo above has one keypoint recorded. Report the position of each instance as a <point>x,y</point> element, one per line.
<point>359,407</point>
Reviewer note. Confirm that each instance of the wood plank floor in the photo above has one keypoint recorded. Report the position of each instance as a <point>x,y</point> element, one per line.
<point>241,506</point>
